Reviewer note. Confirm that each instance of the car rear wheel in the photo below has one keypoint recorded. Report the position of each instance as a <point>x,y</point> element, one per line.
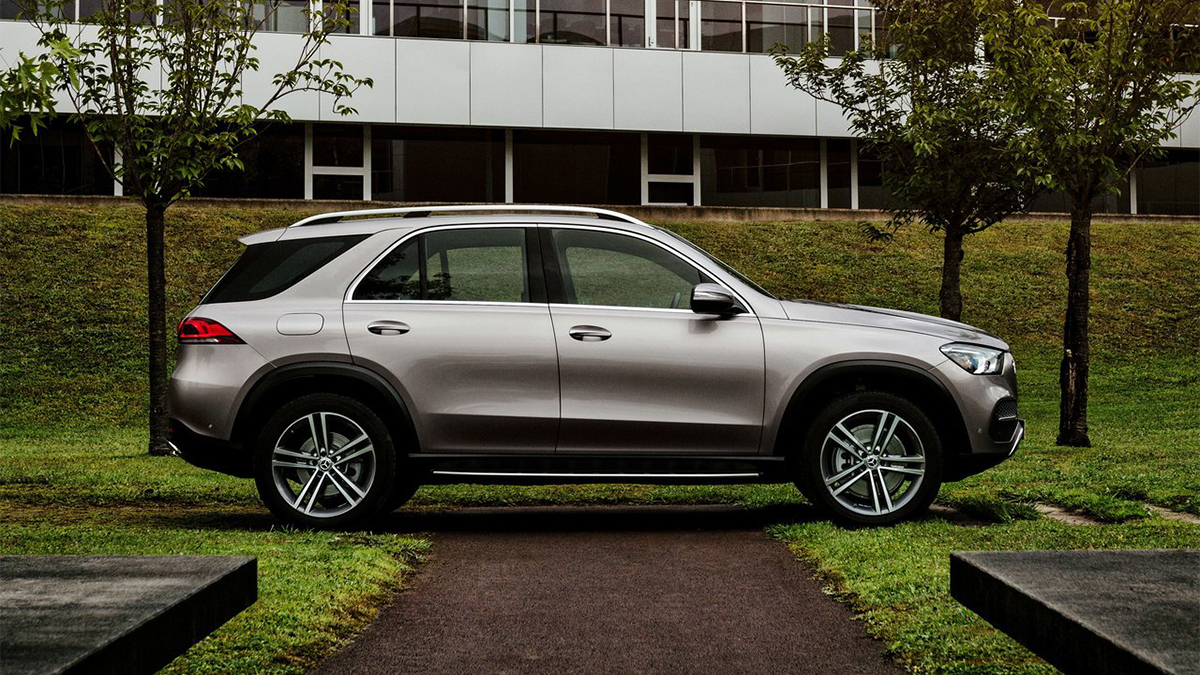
<point>871,458</point>
<point>325,461</point>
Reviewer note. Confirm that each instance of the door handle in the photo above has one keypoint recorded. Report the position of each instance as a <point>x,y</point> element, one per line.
<point>589,333</point>
<point>388,327</point>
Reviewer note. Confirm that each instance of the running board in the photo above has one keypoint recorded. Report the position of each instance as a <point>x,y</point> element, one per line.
<point>560,469</point>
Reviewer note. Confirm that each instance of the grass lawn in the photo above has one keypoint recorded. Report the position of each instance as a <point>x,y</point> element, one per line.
<point>75,479</point>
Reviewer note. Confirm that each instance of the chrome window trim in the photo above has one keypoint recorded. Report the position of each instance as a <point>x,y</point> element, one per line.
<point>349,295</point>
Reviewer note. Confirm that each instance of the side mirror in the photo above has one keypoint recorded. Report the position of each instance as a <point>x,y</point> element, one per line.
<point>714,299</point>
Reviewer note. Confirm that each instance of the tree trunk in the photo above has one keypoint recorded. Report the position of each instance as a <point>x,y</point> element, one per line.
<point>1073,372</point>
<point>951,293</point>
<point>157,295</point>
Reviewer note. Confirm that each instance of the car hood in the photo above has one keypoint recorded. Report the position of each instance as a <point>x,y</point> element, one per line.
<point>894,319</point>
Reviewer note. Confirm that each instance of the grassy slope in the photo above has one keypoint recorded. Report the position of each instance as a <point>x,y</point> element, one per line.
<point>72,342</point>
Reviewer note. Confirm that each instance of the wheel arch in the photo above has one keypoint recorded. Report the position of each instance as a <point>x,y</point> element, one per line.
<point>902,379</point>
<point>290,382</point>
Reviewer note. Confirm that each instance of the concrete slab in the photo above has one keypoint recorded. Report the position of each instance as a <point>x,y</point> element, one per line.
<point>1096,612</point>
<point>114,614</point>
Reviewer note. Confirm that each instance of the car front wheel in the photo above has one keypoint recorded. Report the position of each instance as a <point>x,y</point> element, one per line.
<point>325,461</point>
<point>871,458</point>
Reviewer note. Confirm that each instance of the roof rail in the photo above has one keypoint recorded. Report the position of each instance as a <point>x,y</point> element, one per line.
<point>424,211</point>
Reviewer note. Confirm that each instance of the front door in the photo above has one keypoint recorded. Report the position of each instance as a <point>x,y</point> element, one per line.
<point>457,319</point>
<point>639,371</point>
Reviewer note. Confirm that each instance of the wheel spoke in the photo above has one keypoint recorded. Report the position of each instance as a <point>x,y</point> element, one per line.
<point>903,469</point>
<point>316,491</point>
<point>847,472</point>
<point>304,490</point>
<point>883,417</point>
<point>291,465</point>
<point>874,489</point>
<point>891,433</point>
<point>857,449</point>
<point>887,497</point>
<point>850,482</point>
<point>291,453</point>
<point>312,428</point>
<point>347,458</point>
<point>323,427</point>
<point>350,501</point>
<point>344,477</point>
<point>901,458</point>
<point>351,444</point>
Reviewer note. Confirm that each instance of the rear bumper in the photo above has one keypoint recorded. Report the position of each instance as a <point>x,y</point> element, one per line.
<point>210,453</point>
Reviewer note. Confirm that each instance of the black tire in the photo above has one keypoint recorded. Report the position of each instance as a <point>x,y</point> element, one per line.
<point>815,463</point>
<point>401,493</point>
<point>374,476</point>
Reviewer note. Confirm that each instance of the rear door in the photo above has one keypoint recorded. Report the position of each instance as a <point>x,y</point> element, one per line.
<point>640,372</point>
<point>457,319</point>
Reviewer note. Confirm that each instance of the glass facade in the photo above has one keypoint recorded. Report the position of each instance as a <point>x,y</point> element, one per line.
<point>274,161</point>
<point>58,160</point>
<point>1170,184</point>
<point>576,167</point>
<point>742,171</point>
<point>419,164</point>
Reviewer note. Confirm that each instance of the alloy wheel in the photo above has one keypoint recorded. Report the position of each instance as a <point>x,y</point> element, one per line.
<point>323,464</point>
<point>872,462</point>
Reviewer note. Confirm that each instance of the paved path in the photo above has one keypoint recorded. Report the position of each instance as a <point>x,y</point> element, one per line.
<point>609,590</point>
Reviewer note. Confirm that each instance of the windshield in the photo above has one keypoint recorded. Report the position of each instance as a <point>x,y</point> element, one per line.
<point>720,263</point>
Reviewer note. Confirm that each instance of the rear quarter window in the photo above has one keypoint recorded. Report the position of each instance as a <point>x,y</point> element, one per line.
<point>269,269</point>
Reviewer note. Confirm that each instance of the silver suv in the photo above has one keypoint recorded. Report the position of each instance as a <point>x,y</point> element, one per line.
<point>351,357</point>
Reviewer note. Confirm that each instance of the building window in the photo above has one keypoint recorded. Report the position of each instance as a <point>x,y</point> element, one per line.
<point>741,171</point>
<point>871,192</point>
<point>427,18</point>
<point>768,25</point>
<point>282,16</point>
<point>1170,185</point>
<point>672,23</point>
<point>576,168</point>
<point>274,167</point>
<point>58,160</point>
<point>337,187</point>
<point>487,20</point>
<point>720,26</point>
<point>837,162</point>
<point>337,145</point>
<point>572,22</point>
<point>627,23</point>
<point>418,164</point>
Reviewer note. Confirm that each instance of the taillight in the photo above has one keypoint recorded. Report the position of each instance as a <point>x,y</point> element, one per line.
<point>196,330</point>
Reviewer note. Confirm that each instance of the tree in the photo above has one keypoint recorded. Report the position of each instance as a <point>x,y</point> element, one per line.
<point>919,98</point>
<point>1098,86</point>
<point>161,85</point>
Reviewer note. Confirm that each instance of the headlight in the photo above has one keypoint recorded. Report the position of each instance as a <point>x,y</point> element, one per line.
<point>975,359</point>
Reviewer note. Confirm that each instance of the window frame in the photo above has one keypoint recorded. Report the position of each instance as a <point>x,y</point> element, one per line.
<point>533,266</point>
<point>556,289</point>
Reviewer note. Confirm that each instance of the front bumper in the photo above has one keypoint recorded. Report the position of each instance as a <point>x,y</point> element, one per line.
<point>209,453</point>
<point>961,466</point>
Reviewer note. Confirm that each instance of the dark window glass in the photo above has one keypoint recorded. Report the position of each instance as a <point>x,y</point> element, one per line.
<point>274,167</point>
<point>671,193</point>
<point>572,168</point>
<point>864,27</point>
<point>524,21</point>
<point>418,164</point>
<point>669,154</point>
<point>837,154</point>
<point>601,268</point>
<point>58,160</point>
<point>1058,202</point>
<point>381,17</point>
<point>1170,185</point>
<point>871,192</point>
<point>573,22</point>
<point>841,30</point>
<point>428,18</point>
<point>768,25</point>
<point>627,23</point>
<point>466,265</point>
<point>742,171</point>
<point>345,20</point>
<point>337,187</point>
<point>30,9</point>
<point>269,269</point>
<point>487,20</point>
<point>337,145</point>
<point>720,26</point>
<point>283,16</point>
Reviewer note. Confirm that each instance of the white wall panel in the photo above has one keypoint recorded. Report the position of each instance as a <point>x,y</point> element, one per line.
<point>775,106</point>
<point>433,82</point>
<point>647,90</point>
<point>506,84</point>
<point>364,56</point>
<point>716,93</point>
<point>277,53</point>
<point>1189,133</point>
<point>577,87</point>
